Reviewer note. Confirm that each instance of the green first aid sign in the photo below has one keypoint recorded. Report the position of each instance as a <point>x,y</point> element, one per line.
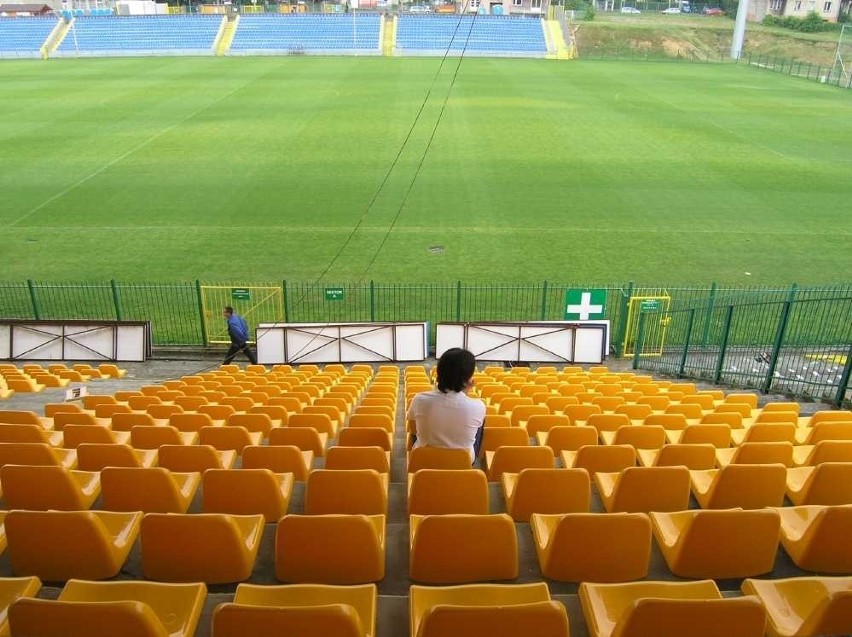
<point>585,305</point>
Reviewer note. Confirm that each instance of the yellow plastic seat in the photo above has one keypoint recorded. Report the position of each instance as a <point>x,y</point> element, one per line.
<point>365,437</point>
<point>742,398</point>
<point>718,544</point>
<point>279,459</point>
<point>817,537</point>
<point>247,492</point>
<point>320,421</point>
<point>718,435</point>
<point>669,422</point>
<point>552,491</point>
<point>162,412</point>
<point>486,610</point>
<point>692,413</point>
<point>804,606</point>
<point>644,489</point>
<point>494,438</point>
<point>828,415</point>
<point>543,423</point>
<point>382,420</point>
<point>94,456</point>
<point>305,438</point>
<point>188,422</point>
<point>605,458</point>
<point>733,420</point>
<point>784,432</point>
<point>824,431</point>
<point>443,491</point>
<point>330,549</point>
<point>64,418</point>
<point>104,609</point>
<point>43,488</point>
<point>30,433</point>
<point>690,456</point>
<point>12,589</point>
<point>229,438</point>
<point>60,545</point>
<point>644,437</point>
<point>252,422</point>
<point>607,422</point>
<point>460,548</point>
<point>36,453</point>
<point>195,458</point>
<point>570,438</point>
<point>375,458</point>
<point>354,491</point>
<point>438,458</point>
<point>219,415</point>
<point>669,609</point>
<point>515,459</point>
<point>522,413</point>
<point>144,437</point>
<point>757,453</point>
<point>111,370</point>
<point>307,610</point>
<point>203,547</point>
<point>24,417</point>
<point>151,490</point>
<point>828,483</point>
<point>743,409</point>
<point>777,417</point>
<point>823,451</point>
<point>125,421</point>
<point>592,547</point>
<point>747,486</point>
<point>75,435</point>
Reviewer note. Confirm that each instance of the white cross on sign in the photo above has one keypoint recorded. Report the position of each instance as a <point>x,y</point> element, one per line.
<point>585,308</point>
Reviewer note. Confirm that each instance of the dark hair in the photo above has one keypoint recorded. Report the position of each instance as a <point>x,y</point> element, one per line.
<point>229,309</point>
<point>455,369</point>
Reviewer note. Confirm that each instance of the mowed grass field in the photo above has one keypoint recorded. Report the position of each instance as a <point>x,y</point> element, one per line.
<point>262,169</point>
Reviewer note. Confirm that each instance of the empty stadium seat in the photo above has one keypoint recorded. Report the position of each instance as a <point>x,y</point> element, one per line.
<point>374,458</point>
<point>438,458</point>
<point>644,489</point>
<point>442,491</point>
<point>718,544</point>
<point>298,609</point>
<point>605,458</point>
<point>823,451</point>
<point>690,456</point>
<point>747,486</point>
<point>459,548</point>
<point>195,458</point>
<point>804,606</point>
<point>570,438</point>
<point>93,609</point>
<point>817,537</point>
<point>247,492</point>
<point>330,549</point>
<point>36,453</point>
<point>552,491</point>
<point>645,609</point>
<point>43,488</point>
<point>514,459</point>
<point>12,589</point>
<point>592,547</point>
<point>279,459</point>
<point>828,483</point>
<point>151,490</point>
<point>718,435</point>
<point>203,547</point>
<point>61,545</point>
<point>356,491</point>
<point>644,437</point>
<point>486,610</point>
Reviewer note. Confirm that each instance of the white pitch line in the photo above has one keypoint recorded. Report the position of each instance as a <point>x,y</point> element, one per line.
<point>112,163</point>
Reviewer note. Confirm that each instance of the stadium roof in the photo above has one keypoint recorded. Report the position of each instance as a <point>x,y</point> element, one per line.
<point>25,8</point>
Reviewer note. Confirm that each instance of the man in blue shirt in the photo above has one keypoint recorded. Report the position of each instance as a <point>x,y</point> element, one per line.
<point>239,332</point>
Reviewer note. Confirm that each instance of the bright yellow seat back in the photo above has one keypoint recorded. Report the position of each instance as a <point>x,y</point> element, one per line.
<point>537,619</point>
<point>736,617</point>
<point>49,618</point>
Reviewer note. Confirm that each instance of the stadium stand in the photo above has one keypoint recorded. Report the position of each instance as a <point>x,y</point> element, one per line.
<point>471,35</point>
<point>140,35</point>
<point>23,37</point>
<point>269,34</point>
<point>295,518</point>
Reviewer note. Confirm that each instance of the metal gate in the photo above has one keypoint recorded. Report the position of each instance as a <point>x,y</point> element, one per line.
<point>256,304</point>
<point>652,312</point>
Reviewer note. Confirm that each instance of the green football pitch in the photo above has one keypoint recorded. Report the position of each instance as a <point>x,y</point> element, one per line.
<point>397,170</point>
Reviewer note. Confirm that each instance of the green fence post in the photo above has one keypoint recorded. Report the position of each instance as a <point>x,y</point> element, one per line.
<point>683,356</point>
<point>640,334</point>
<point>458,301</point>
<point>544,301</point>
<point>791,295</point>
<point>711,305</point>
<point>116,299</point>
<point>621,332</point>
<point>723,346</point>
<point>844,380</point>
<point>372,301</point>
<point>286,298</point>
<point>34,299</point>
<point>776,347</point>
<point>201,312</point>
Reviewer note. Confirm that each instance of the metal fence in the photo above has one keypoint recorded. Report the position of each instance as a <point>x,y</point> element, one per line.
<point>832,75</point>
<point>799,345</point>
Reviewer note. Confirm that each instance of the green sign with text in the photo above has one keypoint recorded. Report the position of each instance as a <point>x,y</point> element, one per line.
<point>240,294</point>
<point>334,294</point>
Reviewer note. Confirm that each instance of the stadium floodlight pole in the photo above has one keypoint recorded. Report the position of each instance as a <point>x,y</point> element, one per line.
<point>739,30</point>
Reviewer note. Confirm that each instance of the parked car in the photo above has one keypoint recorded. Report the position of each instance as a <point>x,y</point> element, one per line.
<point>713,11</point>
<point>671,11</point>
<point>632,10</point>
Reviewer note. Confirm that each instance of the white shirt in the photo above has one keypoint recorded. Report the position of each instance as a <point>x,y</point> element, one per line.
<point>448,420</point>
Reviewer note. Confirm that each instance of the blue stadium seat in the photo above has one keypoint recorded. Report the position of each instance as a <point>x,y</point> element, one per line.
<point>308,33</point>
<point>23,37</point>
<point>477,35</point>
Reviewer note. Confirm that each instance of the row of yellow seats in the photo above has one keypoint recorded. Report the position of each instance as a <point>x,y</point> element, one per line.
<point>802,607</point>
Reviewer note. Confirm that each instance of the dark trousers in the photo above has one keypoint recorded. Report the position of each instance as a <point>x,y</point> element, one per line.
<point>235,349</point>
